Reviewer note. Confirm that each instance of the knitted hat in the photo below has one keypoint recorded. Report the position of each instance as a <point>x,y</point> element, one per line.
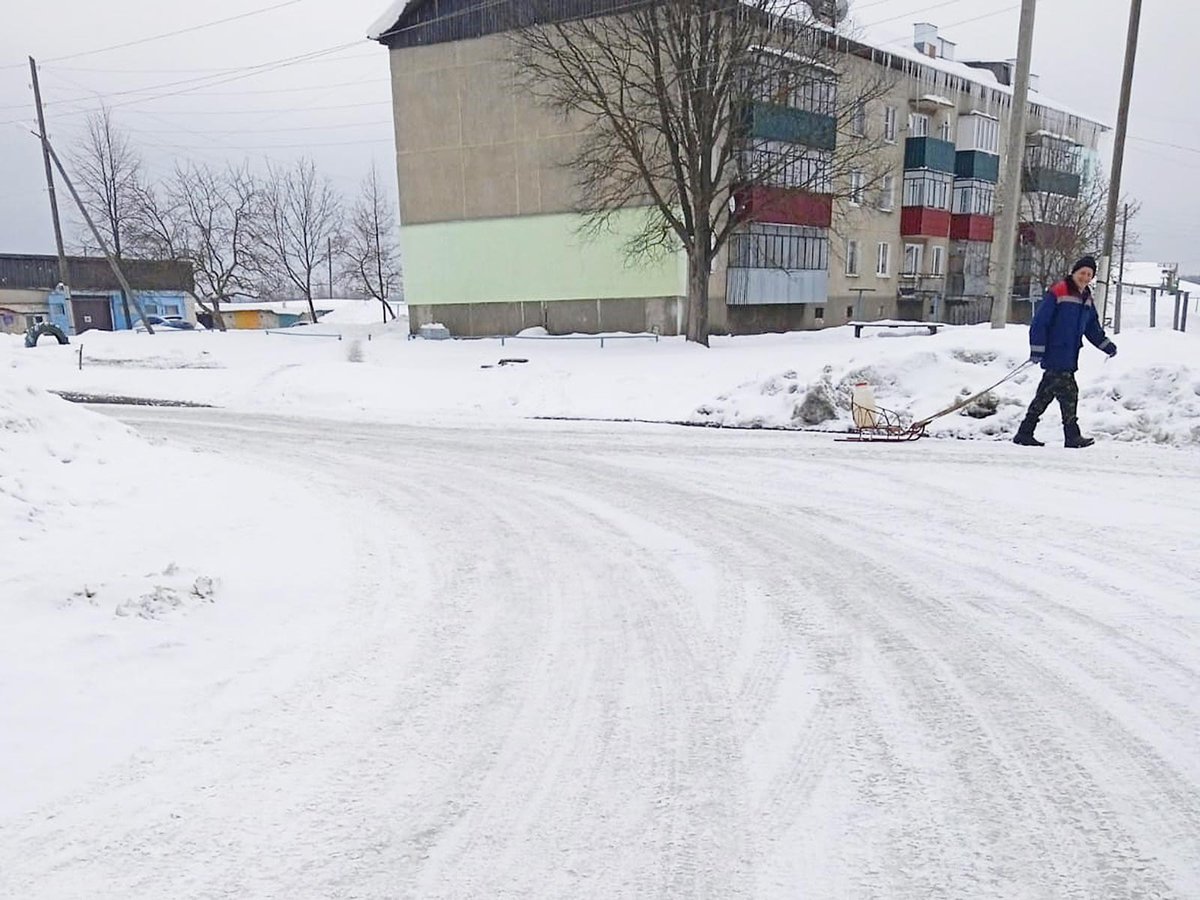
<point>1087,262</point>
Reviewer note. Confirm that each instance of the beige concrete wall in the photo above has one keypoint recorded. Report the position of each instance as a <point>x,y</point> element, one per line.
<point>24,301</point>
<point>660,314</point>
<point>469,143</point>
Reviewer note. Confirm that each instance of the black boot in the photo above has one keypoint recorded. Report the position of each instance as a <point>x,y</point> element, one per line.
<point>1073,438</point>
<point>1024,435</point>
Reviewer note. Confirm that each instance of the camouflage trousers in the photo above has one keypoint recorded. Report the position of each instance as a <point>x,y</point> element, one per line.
<point>1058,386</point>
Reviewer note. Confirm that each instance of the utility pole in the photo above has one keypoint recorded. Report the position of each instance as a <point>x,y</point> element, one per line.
<point>1013,159</point>
<point>1121,271</point>
<point>63,274</point>
<point>329,252</point>
<point>1114,188</point>
<point>96,234</point>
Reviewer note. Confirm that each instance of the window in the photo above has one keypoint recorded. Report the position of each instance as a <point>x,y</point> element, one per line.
<point>928,189</point>
<point>974,198</point>
<point>819,313</point>
<point>30,321</point>
<point>912,259</point>
<point>918,125</point>
<point>857,184</point>
<point>858,120</point>
<point>946,131</point>
<point>883,264</point>
<point>851,257</point>
<point>979,132</point>
<point>889,124</point>
<point>1055,154</point>
<point>785,82</point>
<point>887,193</point>
<point>784,164</point>
<point>849,312</point>
<point>780,247</point>
<point>939,257</point>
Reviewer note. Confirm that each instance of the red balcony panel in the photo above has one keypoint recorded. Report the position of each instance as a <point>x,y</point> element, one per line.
<point>920,221</point>
<point>781,206</point>
<point>973,228</point>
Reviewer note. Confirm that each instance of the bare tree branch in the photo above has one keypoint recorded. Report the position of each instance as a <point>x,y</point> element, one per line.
<point>664,93</point>
<point>370,244</point>
<point>298,220</point>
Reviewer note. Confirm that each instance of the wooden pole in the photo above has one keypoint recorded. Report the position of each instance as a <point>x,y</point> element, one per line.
<point>1121,272</point>
<point>64,274</point>
<point>1118,159</point>
<point>96,234</point>
<point>1009,195</point>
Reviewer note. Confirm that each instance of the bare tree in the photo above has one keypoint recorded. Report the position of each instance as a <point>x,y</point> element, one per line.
<point>205,216</point>
<point>1058,229</point>
<point>108,171</point>
<point>663,92</point>
<point>299,222</point>
<point>372,255</point>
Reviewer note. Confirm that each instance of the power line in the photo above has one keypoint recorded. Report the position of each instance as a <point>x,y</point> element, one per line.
<point>338,127</point>
<point>214,80</point>
<point>167,34</point>
<point>261,111</point>
<point>908,14</point>
<point>998,12</point>
<point>177,70</point>
<point>1165,144</point>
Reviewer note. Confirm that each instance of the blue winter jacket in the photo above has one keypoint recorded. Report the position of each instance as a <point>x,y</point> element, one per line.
<point>1063,319</point>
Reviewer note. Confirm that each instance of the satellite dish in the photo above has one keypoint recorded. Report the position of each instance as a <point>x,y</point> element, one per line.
<point>832,12</point>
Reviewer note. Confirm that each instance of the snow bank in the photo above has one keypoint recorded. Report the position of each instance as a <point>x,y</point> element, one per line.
<point>1148,393</point>
<point>798,380</point>
<point>57,459</point>
<point>136,578</point>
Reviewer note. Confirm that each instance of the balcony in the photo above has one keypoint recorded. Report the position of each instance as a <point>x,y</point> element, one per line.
<point>972,228</point>
<point>1043,234</point>
<point>796,126</point>
<point>963,285</point>
<point>1048,181</point>
<point>975,164</point>
<point>911,285</point>
<point>921,221</point>
<point>929,153</point>
<point>784,206</point>
<point>751,287</point>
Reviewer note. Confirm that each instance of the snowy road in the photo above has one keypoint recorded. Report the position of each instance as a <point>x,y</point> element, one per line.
<point>582,661</point>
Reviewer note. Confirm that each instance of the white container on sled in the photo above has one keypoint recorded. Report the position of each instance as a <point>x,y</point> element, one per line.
<point>863,407</point>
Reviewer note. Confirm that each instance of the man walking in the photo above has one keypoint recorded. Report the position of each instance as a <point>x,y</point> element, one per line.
<point>1063,319</point>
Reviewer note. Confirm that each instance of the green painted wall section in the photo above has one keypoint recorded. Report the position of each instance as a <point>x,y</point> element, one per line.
<point>532,258</point>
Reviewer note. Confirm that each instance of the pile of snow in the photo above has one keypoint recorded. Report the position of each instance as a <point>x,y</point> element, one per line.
<point>58,460</point>
<point>360,312</point>
<point>137,578</point>
<point>1148,393</point>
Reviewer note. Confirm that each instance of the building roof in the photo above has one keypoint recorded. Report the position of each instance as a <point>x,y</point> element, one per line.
<point>406,15</point>
<point>979,76</point>
<point>88,273</point>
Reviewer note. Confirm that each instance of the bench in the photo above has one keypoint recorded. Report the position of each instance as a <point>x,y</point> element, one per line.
<point>894,323</point>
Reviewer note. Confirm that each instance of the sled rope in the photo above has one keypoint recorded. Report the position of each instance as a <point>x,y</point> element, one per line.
<point>967,400</point>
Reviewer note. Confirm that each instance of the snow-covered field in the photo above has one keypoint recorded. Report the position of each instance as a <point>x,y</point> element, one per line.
<point>371,630</point>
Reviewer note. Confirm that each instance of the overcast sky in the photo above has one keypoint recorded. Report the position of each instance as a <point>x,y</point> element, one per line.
<point>198,94</point>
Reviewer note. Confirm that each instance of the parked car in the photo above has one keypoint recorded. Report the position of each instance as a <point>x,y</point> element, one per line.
<point>177,322</point>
